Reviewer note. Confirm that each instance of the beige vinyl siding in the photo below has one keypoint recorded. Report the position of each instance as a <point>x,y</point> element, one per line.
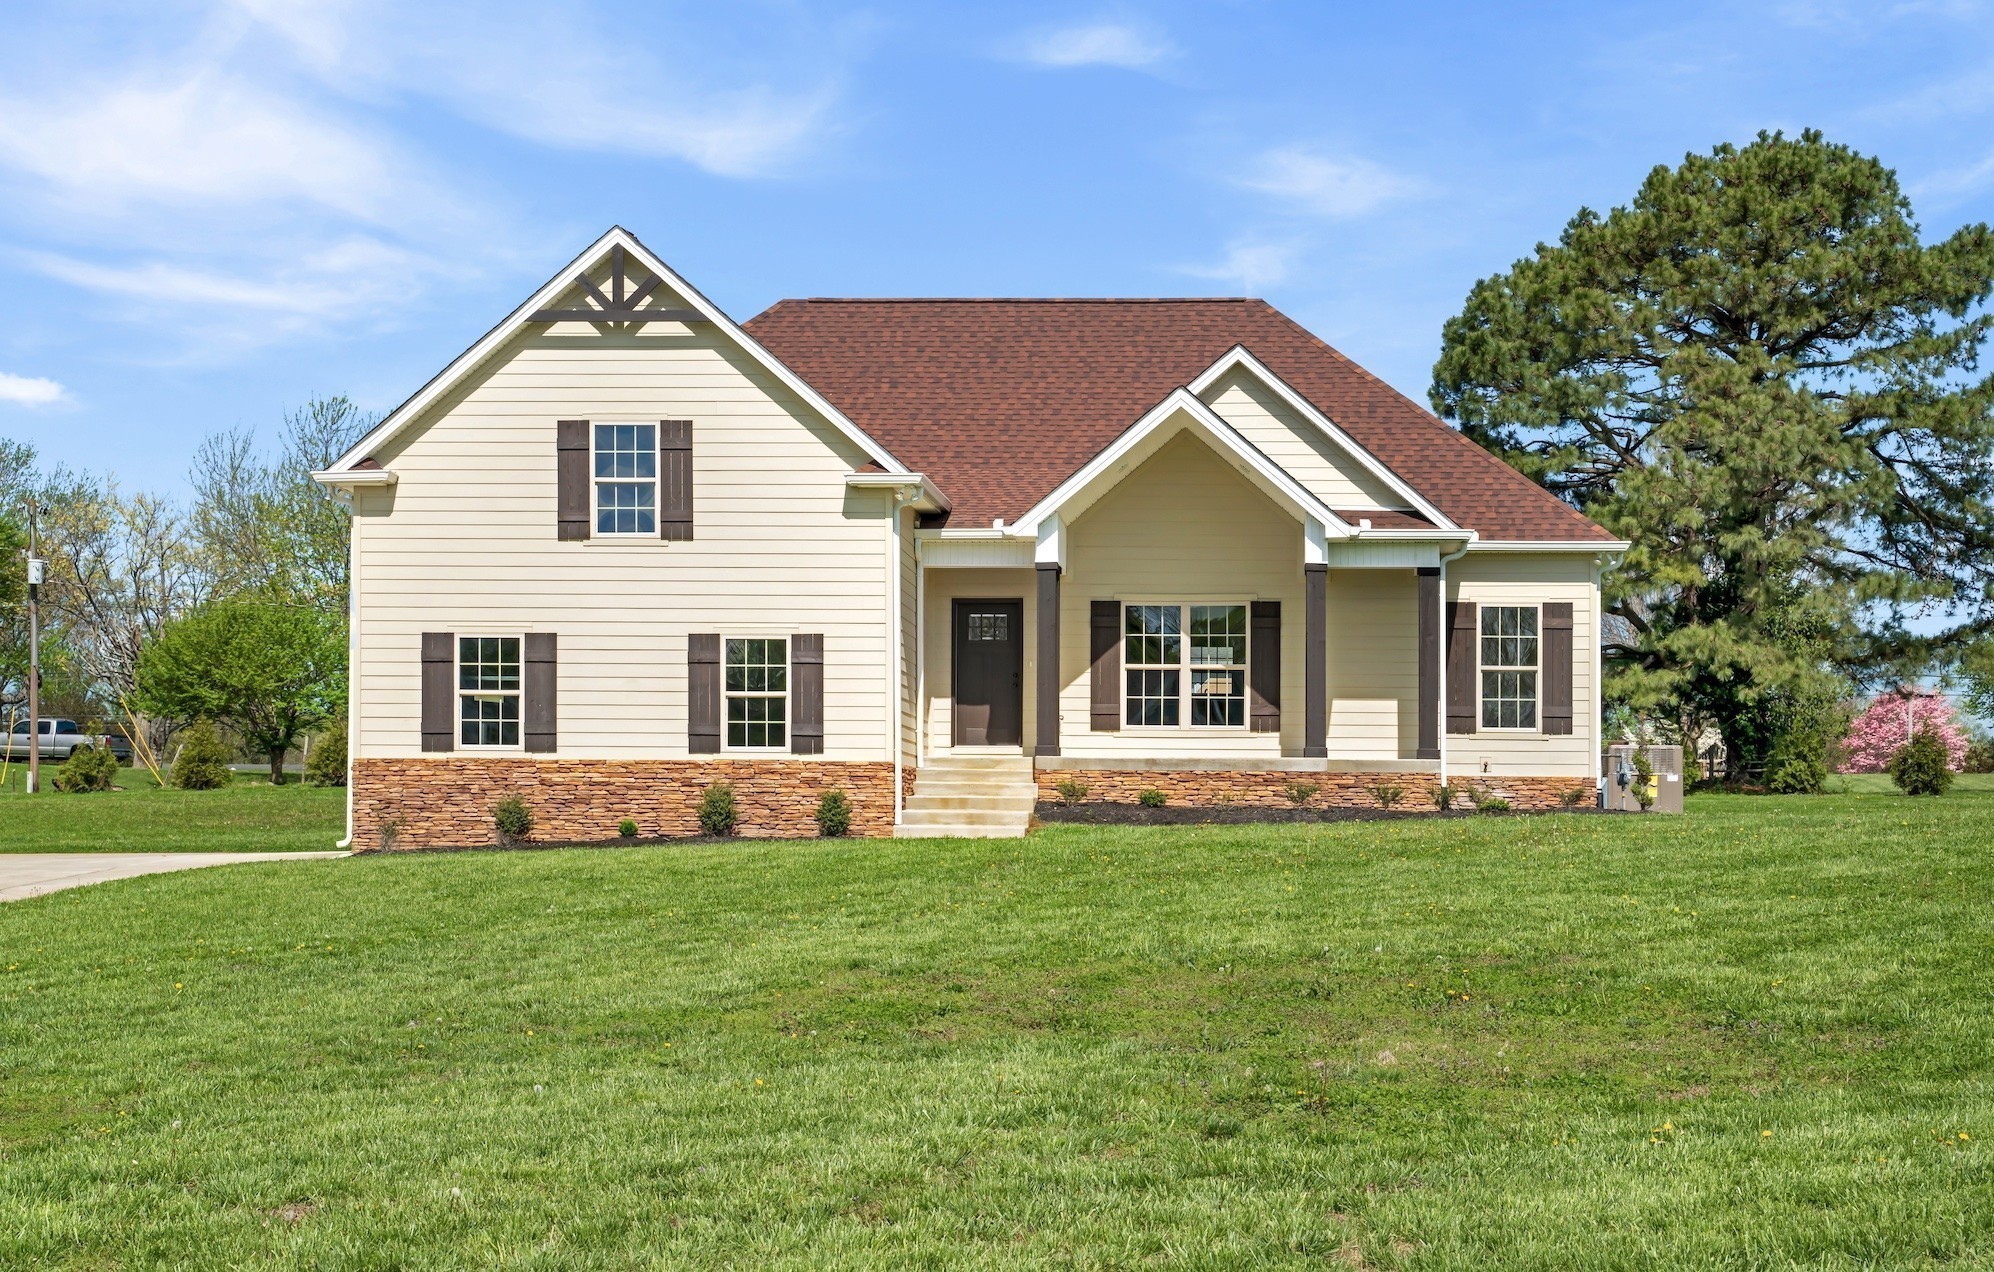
<point>1531,578</point>
<point>945,587</point>
<point>1372,626</point>
<point>1297,445</point>
<point>1184,526</point>
<point>466,543</point>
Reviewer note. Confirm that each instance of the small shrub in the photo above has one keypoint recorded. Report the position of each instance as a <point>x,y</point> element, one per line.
<point>627,828</point>
<point>1796,775</point>
<point>202,763</point>
<point>717,813</point>
<point>87,769</point>
<point>1444,797</point>
<point>1644,773</point>
<point>1920,765</point>
<point>1071,790</point>
<point>326,766</point>
<point>391,833</point>
<point>1152,798</point>
<point>514,818</point>
<point>1387,794</point>
<point>1571,796</point>
<point>1300,793</point>
<point>1980,757</point>
<point>834,815</point>
<point>1492,804</point>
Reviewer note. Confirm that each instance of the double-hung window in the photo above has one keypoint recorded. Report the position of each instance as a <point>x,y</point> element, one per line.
<point>1184,665</point>
<point>488,690</point>
<point>1509,666</point>
<point>757,678</point>
<point>626,479</point>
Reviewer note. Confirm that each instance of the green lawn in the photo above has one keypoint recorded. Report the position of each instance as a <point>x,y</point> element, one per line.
<point>1759,1035</point>
<point>249,815</point>
<point>1880,784</point>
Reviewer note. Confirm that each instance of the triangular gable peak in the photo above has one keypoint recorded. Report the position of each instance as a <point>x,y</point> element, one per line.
<point>616,283</point>
<point>1358,465</point>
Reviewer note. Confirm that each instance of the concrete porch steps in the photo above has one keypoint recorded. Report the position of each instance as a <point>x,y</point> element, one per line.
<point>970,797</point>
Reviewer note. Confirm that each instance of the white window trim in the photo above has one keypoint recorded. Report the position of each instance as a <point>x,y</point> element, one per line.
<point>1537,700</point>
<point>460,692</point>
<point>595,485</point>
<point>788,640</point>
<point>1183,668</point>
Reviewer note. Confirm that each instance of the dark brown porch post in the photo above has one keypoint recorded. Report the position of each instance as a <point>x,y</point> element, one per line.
<point>1429,662</point>
<point>1047,742</point>
<point>1315,661</point>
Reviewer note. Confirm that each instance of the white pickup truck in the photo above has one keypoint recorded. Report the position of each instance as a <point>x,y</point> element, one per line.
<point>60,737</point>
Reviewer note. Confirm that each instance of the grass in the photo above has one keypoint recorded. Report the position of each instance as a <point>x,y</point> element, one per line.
<point>248,815</point>
<point>1880,784</point>
<point>1759,1035</point>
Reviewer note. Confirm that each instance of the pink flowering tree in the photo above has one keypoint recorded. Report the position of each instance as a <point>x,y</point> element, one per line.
<point>1888,722</point>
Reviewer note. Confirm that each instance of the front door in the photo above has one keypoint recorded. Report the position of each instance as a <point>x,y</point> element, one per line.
<point>989,673</point>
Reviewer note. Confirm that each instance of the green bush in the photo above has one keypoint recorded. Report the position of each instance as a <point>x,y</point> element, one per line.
<point>326,766</point>
<point>1919,767</point>
<point>717,813</point>
<point>627,828</point>
<point>1300,793</point>
<point>834,815</point>
<point>1071,791</point>
<point>1492,804</point>
<point>1387,794</point>
<point>1443,797</point>
<point>1152,798</point>
<point>88,768</point>
<point>202,761</point>
<point>514,818</point>
<point>1980,756</point>
<point>1797,775</point>
<point>1571,796</point>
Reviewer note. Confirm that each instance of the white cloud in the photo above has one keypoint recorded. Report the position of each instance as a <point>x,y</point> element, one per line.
<point>22,390</point>
<point>1096,44</point>
<point>1254,265</point>
<point>1324,184</point>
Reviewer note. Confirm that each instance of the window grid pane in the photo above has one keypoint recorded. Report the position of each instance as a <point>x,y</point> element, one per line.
<point>628,455</point>
<point>490,719</point>
<point>757,680</point>
<point>1509,666</point>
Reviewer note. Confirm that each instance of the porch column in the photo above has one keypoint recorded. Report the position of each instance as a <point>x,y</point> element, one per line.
<point>1315,661</point>
<point>1429,662</point>
<point>1047,742</point>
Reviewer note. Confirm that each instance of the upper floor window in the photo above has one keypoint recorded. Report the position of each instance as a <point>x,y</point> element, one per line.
<point>1509,666</point>
<point>626,479</point>
<point>488,690</point>
<point>757,693</point>
<point>1184,664</point>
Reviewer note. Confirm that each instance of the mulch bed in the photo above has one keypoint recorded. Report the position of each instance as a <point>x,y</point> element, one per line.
<point>1112,814</point>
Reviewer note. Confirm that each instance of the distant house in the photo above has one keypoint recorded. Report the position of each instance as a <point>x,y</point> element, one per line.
<point>940,555</point>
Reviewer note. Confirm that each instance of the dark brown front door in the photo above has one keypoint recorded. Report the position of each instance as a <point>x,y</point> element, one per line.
<point>989,673</point>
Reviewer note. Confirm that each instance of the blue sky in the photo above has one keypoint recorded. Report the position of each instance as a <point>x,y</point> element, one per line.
<point>212,211</point>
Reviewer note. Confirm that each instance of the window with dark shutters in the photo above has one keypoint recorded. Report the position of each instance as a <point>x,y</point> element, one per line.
<point>439,691</point>
<point>1557,655</point>
<point>806,694</point>
<point>540,674</point>
<point>702,658</point>
<point>675,479</point>
<point>571,478</point>
<point>1264,677</point>
<point>1463,687</point>
<point>1104,659</point>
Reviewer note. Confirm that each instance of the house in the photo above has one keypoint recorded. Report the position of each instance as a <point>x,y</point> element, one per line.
<point>942,555</point>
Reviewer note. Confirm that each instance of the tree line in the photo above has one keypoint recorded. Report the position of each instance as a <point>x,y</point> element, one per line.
<point>229,606</point>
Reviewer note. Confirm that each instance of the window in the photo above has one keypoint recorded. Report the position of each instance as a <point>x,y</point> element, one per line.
<point>757,693</point>
<point>626,479</point>
<point>1169,661</point>
<point>990,627</point>
<point>488,690</point>
<point>1509,666</point>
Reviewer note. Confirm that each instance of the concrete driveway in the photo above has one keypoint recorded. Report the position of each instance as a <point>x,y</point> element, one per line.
<point>30,874</point>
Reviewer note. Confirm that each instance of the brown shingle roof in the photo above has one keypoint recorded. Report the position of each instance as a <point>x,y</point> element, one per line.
<point>998,401</point>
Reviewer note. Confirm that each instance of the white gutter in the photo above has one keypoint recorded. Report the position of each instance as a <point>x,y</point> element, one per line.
<point>1599,686</point>
<point>1455,555</point>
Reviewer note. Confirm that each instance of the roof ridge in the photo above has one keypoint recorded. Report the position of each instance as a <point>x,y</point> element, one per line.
<point>1020,300</point>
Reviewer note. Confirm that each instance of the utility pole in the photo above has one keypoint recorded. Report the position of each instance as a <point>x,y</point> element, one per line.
<point>36,569</point>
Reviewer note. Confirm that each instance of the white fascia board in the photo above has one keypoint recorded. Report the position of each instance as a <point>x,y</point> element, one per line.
<point>1238,358</point>
<point>927,497</point>
<point>1550,545</point>
<point>1216,429</point>
<point>355,477</point>
<point>1417,536</point>
<point>492,341</point>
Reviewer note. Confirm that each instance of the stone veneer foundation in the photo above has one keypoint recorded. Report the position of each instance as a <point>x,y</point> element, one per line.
<point>445,801</point>
<point>1199,789</point>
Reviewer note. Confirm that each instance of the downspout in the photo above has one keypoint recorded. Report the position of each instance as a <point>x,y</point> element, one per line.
<point>1455,555</point>
<point>895,633</point>
<point>352,657</point>
<point>920,659</point>
<point>1599,689</point>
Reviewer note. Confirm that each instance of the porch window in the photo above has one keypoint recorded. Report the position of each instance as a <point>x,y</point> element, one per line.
<point>757,673</point>
<point>1184,664</point>
<point>1509,666</point>
<point>488,690</point>
<point>626,479</point>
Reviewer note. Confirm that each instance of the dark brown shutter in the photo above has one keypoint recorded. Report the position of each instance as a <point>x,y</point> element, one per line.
<point>1462,691</point>
<point>571,477</point>
<point>1264,675</point>
<point>675,479</point>
<point>538,673</point>
<point>1104,677</point>
<point>439,695</point>
<point>1556,683</point>
<point>806,694</point>
<point>702,697</point>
